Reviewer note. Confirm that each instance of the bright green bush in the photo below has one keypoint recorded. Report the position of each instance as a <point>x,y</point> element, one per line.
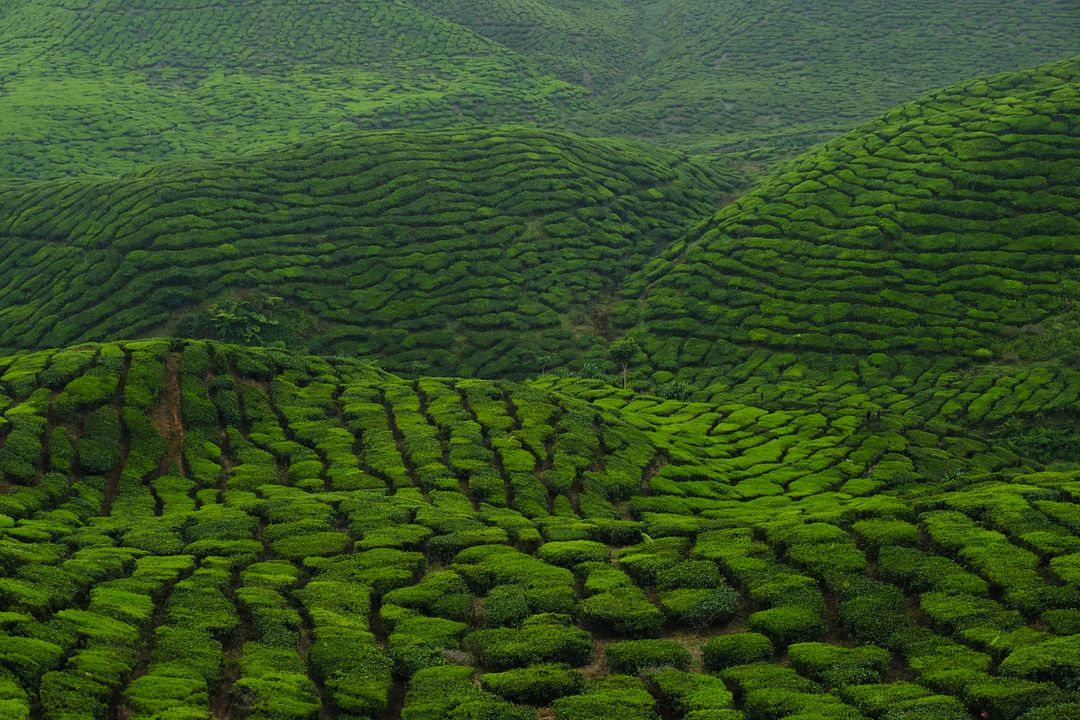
<point>623,612</point>
<point>1056,660</point>
<point>633,656</point>
<point>838,666</point>
<point>700,608</point>
<point>541,638</point>
<point>448,691</point>
<point>570,553</point>
<point>698,696</point>
<point>535,685</point>
<point>614,697</point>
<point>785,625</point>
<point>724,651</point>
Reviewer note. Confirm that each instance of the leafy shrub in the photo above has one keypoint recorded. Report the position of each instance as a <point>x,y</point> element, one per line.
<point>601,577</point>
<point>1007,698</point>
<point>700,608</point>
<point>572,552</point>
<point>541,638</point>
<point>632,656</point>
<point>785,625</point>
<point>506,605</point>
<point>876,698</point>
<point>837,666</point>
<point>1064,711</point>
<point>696,695</point>
<point>534,685</point>
<point>932,707</point>
<point>623,612</point>
<point>689,574</point>
<point>1056,660</point>
<point>613,697</point>
<point>448,691</point>
<point>724,651</point>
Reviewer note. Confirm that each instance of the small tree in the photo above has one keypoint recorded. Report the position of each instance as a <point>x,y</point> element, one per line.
<point>623,353</point>
<point>243,320</point>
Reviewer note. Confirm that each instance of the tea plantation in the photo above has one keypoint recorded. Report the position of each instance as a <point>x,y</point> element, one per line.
<point>195,530</point>
<point>946,229</point>
<point>104,86</point>
<point>539,360</point>
<point>455,252</point>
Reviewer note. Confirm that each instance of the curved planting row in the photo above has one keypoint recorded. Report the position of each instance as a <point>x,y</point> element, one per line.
<point>210,80</point>
<point>475,252</point>
<point>206,531</point>
<point>943,229</point>
<point>186,82</point>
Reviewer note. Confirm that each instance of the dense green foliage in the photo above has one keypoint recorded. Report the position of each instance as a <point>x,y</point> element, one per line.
<point>201,530</point>
<point>947,228</point>
<point>472,404</point>
<point>129,82</point>
<point>480,252</point>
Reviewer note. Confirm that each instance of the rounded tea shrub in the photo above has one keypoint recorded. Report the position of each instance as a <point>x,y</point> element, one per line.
<point>536,685</point>
<point>700,608</point>
<point>724,651</point>
<point>786,625</point>
<point>632,656</point>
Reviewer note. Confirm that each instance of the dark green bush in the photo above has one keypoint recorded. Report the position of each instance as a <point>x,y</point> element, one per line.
<point>506,605</point>
<point>689,574</point>
<point>1008,698</point>
<point>572,552</point>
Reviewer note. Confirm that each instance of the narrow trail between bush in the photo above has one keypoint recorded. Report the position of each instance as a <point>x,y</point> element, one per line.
<point>170,417</point>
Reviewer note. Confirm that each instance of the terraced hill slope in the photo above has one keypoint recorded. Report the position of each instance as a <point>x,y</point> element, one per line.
<point>104,86</point>
<point>204,531</point>
<point>453,252</point>
<point>101,87</point>
<point>945,230</point>
<point>786,73</point>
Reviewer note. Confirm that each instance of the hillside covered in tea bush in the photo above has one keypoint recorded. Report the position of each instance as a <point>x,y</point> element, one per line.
<point>105,86</point>
<point>457,253</point>
<point>504,360</point>
<point>205,531</point>
<point>946,229</point>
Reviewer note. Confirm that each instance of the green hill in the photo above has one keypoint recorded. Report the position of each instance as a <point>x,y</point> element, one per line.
<point>452,252</point>
<point>946,230</point>
<point>311,315</point>
<point>105,86</point>
<point>783,73</point>
<point>205,531</point>
<point>102,87</point>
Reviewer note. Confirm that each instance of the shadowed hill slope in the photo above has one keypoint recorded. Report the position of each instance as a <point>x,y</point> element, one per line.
<point>231,532</point>
<point>104,86</point>
<point>451,252</point>
<point>948,228</point>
